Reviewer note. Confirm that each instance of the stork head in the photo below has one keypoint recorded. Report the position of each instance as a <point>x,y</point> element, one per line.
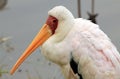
<point>56,16</point>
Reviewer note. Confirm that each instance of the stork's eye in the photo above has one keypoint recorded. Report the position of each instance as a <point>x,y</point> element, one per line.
<point>54,21</point>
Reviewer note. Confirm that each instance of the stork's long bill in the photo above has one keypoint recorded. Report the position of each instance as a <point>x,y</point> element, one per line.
<point>42,36</point>
<point>46,31</point>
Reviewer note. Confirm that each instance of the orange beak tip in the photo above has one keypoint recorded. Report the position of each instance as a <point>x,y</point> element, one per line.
<point>12,72</point>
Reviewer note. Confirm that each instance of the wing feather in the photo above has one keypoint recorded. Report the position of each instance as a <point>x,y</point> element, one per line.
<point>94,52</point>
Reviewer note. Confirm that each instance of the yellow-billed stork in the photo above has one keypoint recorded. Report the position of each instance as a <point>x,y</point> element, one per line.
<point>64,39</point>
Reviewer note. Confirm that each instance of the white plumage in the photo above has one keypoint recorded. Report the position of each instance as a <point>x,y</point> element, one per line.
<point>82,40</point>
<point>98,58</point>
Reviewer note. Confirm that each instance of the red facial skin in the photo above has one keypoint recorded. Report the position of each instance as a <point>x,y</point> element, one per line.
<point>53,23</point>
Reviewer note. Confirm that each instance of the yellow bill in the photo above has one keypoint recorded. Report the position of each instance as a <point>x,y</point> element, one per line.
<point>40,38</point>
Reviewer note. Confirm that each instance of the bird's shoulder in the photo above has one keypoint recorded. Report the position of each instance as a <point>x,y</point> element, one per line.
<point>86,31</point>
<point>92,48</point>
<point>90,42</point>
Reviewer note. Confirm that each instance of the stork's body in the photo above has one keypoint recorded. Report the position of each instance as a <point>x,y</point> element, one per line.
<point>82,41</point>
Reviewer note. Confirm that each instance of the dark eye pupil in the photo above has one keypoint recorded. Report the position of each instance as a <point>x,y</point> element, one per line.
<point>54,20</point>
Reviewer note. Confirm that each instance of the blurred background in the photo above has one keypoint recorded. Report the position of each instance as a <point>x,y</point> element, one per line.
<point>20,20</point>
